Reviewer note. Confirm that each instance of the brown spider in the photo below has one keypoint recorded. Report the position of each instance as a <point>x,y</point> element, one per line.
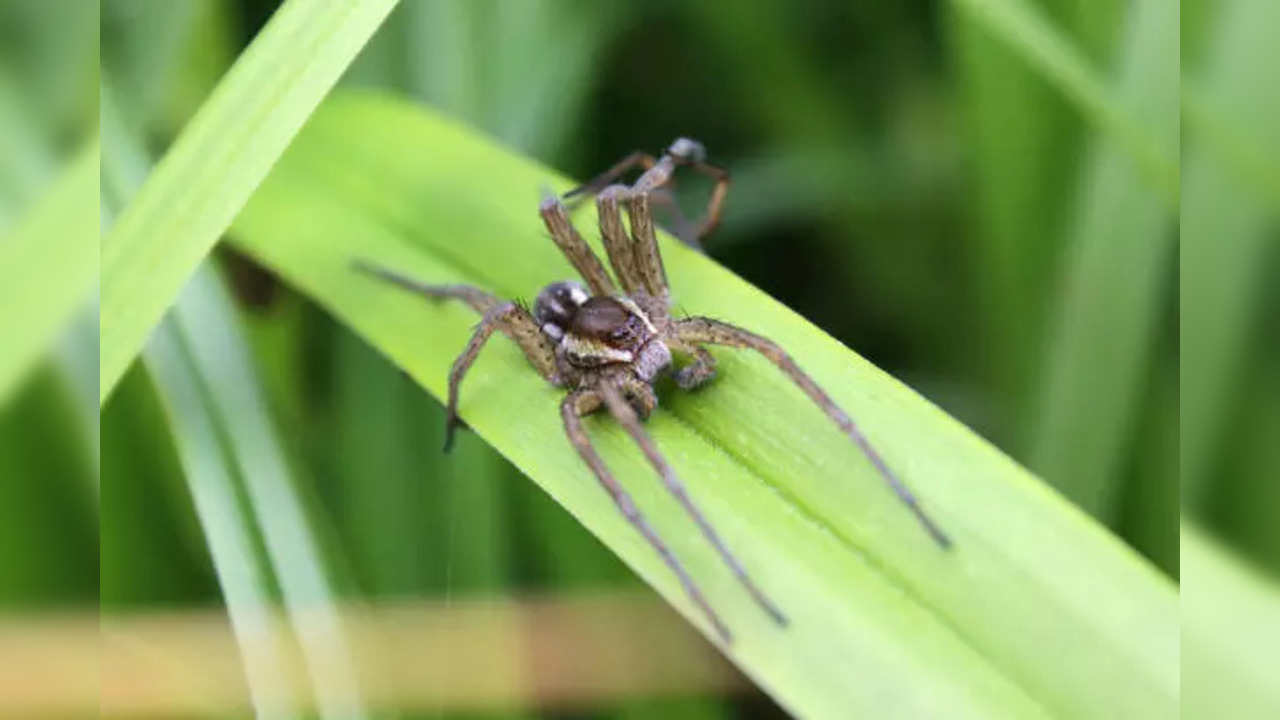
<point>607,345</point>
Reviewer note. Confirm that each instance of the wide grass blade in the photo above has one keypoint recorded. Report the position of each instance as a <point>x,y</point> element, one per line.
<point>1230,628</point>
<point>48,267</point>
<point>1037,612</point>
<point>217,161</point>
<point>1108,310</point>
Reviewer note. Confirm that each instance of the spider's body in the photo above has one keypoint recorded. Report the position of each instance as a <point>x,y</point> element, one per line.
<point>606,343</point>
<point>599,336</point>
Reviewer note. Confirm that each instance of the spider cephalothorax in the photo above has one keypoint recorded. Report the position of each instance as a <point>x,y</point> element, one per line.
<point>607,343</point>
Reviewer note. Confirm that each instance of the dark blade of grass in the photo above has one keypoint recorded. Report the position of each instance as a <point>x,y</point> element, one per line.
<point>1228,219</point>
<point>1021,163</point>
<point>1107,303</point>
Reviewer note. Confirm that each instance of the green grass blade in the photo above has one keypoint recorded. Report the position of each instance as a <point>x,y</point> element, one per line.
<point>1038,612</point>
<point>1230,628</point>
<point>48,266</point>
<point>204,318</point>
<point>1028,33</point>
<point>1109,299</point>
<point>1228,221</point>
<point>200,350</point>
<point>212,481</point>
<point>217,161</point>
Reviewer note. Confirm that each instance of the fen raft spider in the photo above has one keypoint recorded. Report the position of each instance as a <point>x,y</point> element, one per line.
<point>608,343</point>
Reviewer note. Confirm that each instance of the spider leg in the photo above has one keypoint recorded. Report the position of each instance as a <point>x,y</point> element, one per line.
<point>608,177</point>
<point>660,175</point>
<point>570,242</point>
<point>626,416</point>
<point>479,300</point>
<point>617,243</point>
<point>700,371</point>
<point>515,322</point>
<point>583,401</point>
<point>705,330</point>
<point>645,247</point>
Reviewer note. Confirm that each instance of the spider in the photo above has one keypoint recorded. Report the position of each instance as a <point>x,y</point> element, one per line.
<point>608,343</point>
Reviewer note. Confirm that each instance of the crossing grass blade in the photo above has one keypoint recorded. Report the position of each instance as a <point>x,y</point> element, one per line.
<point>48,266</point>
<point>1037,613</point>
<point>217,161</point>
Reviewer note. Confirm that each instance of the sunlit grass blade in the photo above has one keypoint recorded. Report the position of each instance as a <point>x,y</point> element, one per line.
<point>1038,611</point>
<point>1023,27</point>
<point>217,161</point>
<point>202,354</point>
<point>1109,300</point>
<point>1230,629</point>
<point>48,267</point>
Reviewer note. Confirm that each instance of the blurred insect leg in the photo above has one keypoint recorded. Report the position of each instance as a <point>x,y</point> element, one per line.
<point>570,242</point>
<point>480,300</point>
<point>610,176</point>
<point>626,416</point>
<point>714,332</point>
<point>617,243</point>
<point>645,247</point>
<point>516,323</point>
<point>582,401</point>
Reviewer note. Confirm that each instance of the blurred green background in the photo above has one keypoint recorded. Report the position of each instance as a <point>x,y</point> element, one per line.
<point>903,176</point>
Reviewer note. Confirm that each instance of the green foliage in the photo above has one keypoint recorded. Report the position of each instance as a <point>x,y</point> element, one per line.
<point>808,514</point>
<point>214,166</point>
<point>48,265</point>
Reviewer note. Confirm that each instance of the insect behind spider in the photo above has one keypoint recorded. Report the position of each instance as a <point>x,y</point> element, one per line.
<point>607,344</point>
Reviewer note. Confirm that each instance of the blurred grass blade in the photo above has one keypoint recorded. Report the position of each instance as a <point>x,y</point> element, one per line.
<point>1230,629</point>
<point>202,326</point>
<point>1228,220</point>
<point>211,479</point>
<point>1108,311</point>
<point>1038,612</point>
<point>204,319</point>
<point>48,266</point>
<point>217,161</point>
<point>1023,27</point>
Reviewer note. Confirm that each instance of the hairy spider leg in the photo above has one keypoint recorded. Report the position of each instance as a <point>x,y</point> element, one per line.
<point>581,402</point>
<point>617,243</point>
<point>515,322</point>
<point>626,416</point>
<point>481,301</point>
<point>608,177</point>
<point>660,175</point>
<point>696,330</point>
<point>570,242</point>
<point>645,245</point>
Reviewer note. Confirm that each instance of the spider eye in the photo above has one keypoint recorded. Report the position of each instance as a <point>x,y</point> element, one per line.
<point>626,330</point>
